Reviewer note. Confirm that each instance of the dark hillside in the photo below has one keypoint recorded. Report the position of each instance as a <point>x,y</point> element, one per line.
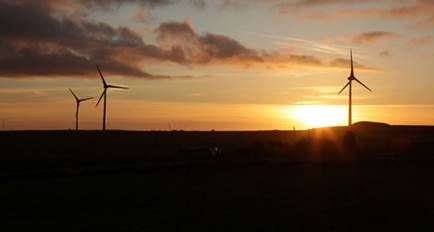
<point>218,181</point>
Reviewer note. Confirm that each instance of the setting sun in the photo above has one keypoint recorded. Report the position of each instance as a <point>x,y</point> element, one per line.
<point>320,115</point>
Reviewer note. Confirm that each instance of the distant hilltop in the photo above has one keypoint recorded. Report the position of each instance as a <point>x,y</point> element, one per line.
<point>363,125</point>
<point>368,125</point>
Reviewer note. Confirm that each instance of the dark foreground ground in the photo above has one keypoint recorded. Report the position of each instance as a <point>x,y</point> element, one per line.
<point>255,181</point>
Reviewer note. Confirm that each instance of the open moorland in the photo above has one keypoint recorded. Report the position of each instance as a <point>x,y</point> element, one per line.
<point>380,179</point>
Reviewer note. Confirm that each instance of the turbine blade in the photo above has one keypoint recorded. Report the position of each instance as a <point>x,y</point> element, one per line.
<point>102,77</point>
<point>362,84</point>
<point>117,87</point>
<point>344,87</point>
<point>85,99</point>
<point>103,93</point>
<point>352,66</point>
<point>73,94</point>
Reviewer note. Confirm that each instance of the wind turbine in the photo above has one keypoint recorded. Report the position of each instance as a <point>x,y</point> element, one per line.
<point>78,100</point>
<point>104,94</point>
<point>350,79</point>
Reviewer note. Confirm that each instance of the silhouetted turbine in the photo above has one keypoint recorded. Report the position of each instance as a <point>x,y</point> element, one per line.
<point>350,79</point>
<point>104,94</point>
<point>78,106</point>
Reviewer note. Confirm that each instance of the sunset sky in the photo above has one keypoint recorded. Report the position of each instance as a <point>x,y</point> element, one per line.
<point>215,64</point>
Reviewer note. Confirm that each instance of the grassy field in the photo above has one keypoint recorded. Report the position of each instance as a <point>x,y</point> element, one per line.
<point>258,181</point>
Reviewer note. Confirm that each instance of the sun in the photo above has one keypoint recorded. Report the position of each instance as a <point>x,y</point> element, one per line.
<point>320,115</point>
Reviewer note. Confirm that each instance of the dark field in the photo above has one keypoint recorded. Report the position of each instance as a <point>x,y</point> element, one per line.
<point>219,181</point>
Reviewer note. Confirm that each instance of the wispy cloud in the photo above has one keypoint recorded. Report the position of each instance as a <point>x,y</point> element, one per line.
<point>421,12</point>
<point>306,44</point>
<point>384,53</point>
<point>421,41</point>
<point>370,37</point>
<point>426,23</point>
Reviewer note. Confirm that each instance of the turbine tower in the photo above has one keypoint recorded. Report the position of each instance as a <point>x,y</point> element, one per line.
<point>78,100</point>
<point>350,79</point>
<point>104,94</point>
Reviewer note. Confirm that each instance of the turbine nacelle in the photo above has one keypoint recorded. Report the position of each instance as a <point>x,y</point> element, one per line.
<point>106,86</point>
<point>78,100</point>
<point>352,77</point>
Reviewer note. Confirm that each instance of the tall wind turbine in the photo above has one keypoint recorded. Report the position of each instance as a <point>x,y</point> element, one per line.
<point>78,100</point>
<point>104,94</point>
<point>350,79</point>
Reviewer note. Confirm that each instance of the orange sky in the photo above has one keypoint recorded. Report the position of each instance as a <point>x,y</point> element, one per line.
<point>201,65</point>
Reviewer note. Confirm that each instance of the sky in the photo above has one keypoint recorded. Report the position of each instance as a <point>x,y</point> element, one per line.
<point>215,64</point>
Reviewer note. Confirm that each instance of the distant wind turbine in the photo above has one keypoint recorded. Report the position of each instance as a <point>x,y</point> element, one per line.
<point>78,100</point>
<point>104,94</point>
<point>350,79</point>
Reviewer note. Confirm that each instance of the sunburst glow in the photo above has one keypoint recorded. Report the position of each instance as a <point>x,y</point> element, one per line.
<point>320,115</point>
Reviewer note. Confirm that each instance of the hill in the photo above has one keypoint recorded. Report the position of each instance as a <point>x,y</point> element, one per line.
<point>214,181</point>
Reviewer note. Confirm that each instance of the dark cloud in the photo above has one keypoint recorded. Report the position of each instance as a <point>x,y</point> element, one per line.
<point>30,62</point>
<point>117,3</point>
<point>37,43</point>
<point>36,24</point>
<point>177,30</point>
<point>30,31</point>
<point>36,39</point>
<point>188,47</point>
<point>225,4</point>
<point>222,47</point>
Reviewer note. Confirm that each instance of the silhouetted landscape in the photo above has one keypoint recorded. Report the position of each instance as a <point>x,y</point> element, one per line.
<point>216,180</point>
<point>185,143</point>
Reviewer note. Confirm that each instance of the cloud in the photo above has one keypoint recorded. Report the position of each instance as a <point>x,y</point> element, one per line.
<point>371,37</point>
<point>226,4</point>
<point>110,3</point>
<point>421,41</point>
<point>423,24</point>
<point>187,47</point>
<point>37,39</point>
<point>384,53</point>
<point>421,12</point>
<point>33,42</point>
<point>303,6</point>
<point>303,3</point>
<point>346,63</point>
<point>201,4</point>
